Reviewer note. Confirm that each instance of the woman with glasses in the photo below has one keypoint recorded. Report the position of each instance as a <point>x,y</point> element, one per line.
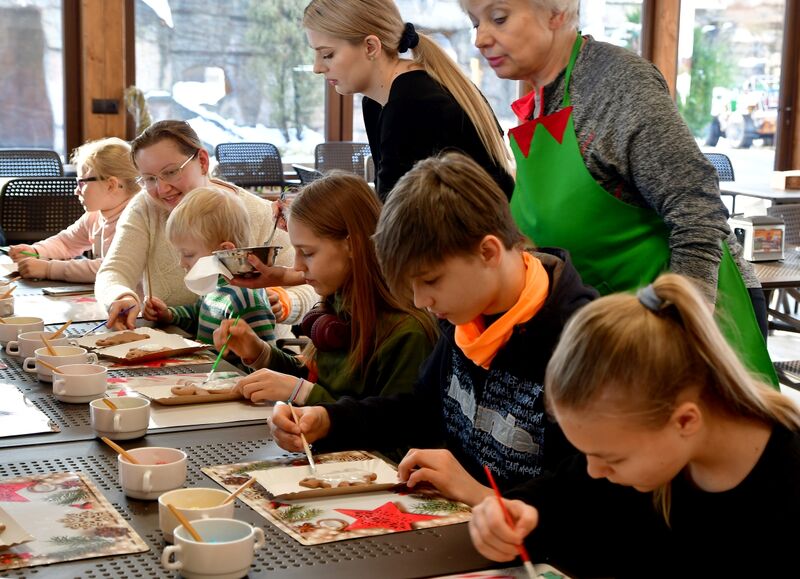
<point>107,181</point>
<point>172,162</point>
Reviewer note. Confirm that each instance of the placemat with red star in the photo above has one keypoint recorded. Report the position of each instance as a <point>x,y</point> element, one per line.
<point>67,516</point>
<point>329,519</point>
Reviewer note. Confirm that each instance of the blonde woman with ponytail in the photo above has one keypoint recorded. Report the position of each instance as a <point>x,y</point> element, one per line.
<point>413,107</point>
<point>107,181</point>
<point>705,459</point>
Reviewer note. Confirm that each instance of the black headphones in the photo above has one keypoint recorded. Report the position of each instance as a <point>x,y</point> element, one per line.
<point>327,331</point>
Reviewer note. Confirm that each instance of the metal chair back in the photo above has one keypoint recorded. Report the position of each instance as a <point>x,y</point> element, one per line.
<point>250,164</point>
<point>33,209</point>
<point>30,163</point>
<point>722,164</point>
<point>344,155</point>
<point>790,213</point>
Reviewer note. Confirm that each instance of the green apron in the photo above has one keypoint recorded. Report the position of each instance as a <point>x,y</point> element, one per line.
<point>615,246</point>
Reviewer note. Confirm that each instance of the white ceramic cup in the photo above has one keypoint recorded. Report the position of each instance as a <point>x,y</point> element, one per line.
<point>6,306</point>
<point>160,470</point>
<point>79,383</point>
<point>130,420</point>
<point>28,342</point>
<point>16,325</point>
<point>193,503</point>
<point>64,355</point>
<point>226,553</point>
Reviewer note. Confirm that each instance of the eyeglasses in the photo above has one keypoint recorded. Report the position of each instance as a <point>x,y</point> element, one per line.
<point>168,176</point>
<point>82,182</point>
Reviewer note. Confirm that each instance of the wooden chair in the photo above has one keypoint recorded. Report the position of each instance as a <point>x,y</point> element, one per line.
<point>344,155</point>
<point>30,163</point>
<point>34,209</point>
<point>250,164</point>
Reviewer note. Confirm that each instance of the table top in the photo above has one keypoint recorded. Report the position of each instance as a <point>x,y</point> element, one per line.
<point>760,191</point>
<point>422,553</point>
<point>780,274</point>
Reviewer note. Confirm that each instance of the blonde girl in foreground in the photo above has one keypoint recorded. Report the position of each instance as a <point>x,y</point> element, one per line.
<point>704,459</point>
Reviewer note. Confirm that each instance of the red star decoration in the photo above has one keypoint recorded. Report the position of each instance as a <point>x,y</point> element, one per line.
<point>387,516</point>
<point>86,301</point>
<point>8,492</point>
<point>120,380</point>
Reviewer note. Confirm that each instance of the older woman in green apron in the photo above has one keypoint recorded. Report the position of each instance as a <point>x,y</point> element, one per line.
<point>607,169</point>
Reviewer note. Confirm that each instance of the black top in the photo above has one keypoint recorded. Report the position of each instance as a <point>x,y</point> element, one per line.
<point>496,416</point>
<point>420,119</point>
<point>595,528</point>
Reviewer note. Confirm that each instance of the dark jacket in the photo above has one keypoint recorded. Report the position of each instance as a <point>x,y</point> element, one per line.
<point>593,528</point>
<point>496,416</point>
<point>420,119</point>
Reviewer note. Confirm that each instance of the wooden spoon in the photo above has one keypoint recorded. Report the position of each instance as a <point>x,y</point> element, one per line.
<point>59,331</point>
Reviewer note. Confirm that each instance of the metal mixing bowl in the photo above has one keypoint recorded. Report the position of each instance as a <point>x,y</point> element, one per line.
<point>236,259</point>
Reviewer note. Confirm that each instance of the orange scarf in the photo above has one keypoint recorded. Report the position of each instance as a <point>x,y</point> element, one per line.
<point>481,344</point>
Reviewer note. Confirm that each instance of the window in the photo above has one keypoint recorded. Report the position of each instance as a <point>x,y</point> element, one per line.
<point>32,91</point>
<point>236,71</point>
<point>617,22</point>
<point>729,79</point>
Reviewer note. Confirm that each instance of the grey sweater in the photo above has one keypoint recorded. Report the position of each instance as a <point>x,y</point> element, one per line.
<point>638,148</point>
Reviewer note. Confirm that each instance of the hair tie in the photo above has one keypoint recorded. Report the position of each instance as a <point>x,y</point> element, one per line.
<point>650,299</point>
<point>409,39</point>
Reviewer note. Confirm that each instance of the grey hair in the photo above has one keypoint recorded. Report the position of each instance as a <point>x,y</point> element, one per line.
<point>569,7</point>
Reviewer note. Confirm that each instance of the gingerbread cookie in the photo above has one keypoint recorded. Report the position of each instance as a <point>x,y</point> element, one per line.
<point>123,338</point>
<point>189,388</point>
<point>356,481</point>
<point>145,350</point>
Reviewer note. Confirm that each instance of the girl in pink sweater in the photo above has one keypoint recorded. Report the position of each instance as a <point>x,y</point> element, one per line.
<point>106,183</point>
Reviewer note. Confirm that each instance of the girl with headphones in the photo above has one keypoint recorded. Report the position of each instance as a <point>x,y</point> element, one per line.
<point>364,341</point>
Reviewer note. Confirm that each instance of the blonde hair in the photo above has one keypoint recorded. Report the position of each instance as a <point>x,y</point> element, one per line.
<point>342,206</point>
<point>211,215</point>
<point>443,207</point>
<point>642,360</point>
<point>109,157</point>
<point>354,20</point>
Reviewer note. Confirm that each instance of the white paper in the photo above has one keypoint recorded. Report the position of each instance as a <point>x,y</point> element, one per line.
<point>202,278</point>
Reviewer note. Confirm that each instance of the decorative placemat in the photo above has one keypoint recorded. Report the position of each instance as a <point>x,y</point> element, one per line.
<point>168,416</point>
<point>20,416</point>
<point>542,572</point>
<point>69,518</point>
<point>201,357</point>
<point>325,520</point>
<point>59,309</point>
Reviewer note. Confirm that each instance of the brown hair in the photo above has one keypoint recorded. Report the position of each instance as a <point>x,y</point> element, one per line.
<point>641,360</point>
<point>109,157</point>
<point>180,132</point>
<point>342,206</point>
<point>442,208</point>
<point>211,216</point>
<point>354,20</point>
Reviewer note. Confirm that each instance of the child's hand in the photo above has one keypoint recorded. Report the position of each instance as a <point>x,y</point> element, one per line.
<point>128,321</point>
<point>314,424</point>
<point>266,385</point>
<point>244,342</point>
<point>490,533</point>
<point>155,310</point>
<point>268,276</point>
<point>15,251</point>
<point>32,268</point>
<point>440,468</point>
<point>275,304</point>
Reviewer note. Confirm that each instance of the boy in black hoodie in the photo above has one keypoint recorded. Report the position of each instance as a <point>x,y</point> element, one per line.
<point>447,233</point>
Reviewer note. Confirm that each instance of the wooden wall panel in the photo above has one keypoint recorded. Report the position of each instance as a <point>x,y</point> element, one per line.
<point>102,24</point>
<point>661,20</point>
